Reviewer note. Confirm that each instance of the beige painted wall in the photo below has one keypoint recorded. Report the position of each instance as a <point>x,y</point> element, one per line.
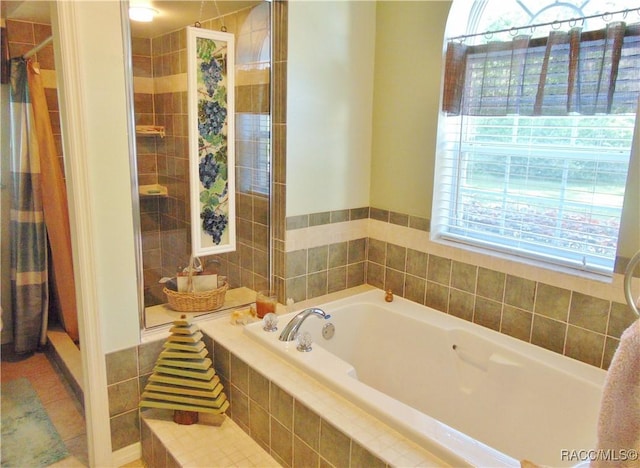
<point>330,85</point>
<point>328,109</point>
<point>364,88</point>
<point>408,63</point>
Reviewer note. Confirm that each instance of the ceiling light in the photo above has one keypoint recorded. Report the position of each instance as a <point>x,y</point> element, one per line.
<point>142,13</point>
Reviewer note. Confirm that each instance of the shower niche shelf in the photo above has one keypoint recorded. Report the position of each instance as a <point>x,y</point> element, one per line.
<point>150,130</point>
<point>153,190</point>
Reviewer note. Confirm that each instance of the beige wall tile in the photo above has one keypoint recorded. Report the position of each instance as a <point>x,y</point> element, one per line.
<point>335,447</point>
<point>464,276</point>
<point>585,345</point>
<point>589,312</point>
<point>548,333</point>
<point>517,323</point>
<point>306,425</point>
<point>552,301</point>
<point>439,270</point>
<point>520,292</point>
<point>281,405</point>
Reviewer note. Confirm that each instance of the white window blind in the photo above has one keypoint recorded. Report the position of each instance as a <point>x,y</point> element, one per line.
<point>535,150</point>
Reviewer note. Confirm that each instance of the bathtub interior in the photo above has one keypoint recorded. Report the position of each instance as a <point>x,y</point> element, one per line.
<point>521,400</point>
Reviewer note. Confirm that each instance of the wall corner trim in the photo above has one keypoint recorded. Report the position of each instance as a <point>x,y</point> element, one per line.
<point>127,454</point>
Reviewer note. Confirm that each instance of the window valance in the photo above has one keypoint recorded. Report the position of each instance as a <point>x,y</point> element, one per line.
<point>567,72</point>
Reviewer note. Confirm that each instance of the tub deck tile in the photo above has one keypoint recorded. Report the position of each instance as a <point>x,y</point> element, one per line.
<point>201,445</point>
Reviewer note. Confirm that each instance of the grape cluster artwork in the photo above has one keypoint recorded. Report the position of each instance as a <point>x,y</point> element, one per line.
<point>211,149</point>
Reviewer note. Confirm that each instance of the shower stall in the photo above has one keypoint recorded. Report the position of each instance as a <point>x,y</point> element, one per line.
<point>27,38</point>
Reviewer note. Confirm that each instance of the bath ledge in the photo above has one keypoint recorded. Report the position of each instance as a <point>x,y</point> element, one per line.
<point>200,444</point>
<point>161,332</point>
<point>159,318</point>
<point>329,298</point>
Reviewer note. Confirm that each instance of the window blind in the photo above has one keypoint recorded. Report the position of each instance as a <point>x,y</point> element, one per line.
<point>549,188</point>
<point>535,151</point>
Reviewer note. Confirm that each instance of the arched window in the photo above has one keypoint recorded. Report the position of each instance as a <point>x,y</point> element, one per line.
<point>539,107</point>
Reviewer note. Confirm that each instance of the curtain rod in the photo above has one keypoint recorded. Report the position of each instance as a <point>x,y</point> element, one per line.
<point>514,30</point>
<point>39,47</point>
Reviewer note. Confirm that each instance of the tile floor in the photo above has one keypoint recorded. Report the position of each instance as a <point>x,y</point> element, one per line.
<point>56,396</point>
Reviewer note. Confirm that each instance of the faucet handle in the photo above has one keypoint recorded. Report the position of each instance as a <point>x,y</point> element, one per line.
<point>270,322</point>
<point>304,342</point>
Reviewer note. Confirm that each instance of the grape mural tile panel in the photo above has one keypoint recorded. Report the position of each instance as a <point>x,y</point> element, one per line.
<point>211,111</point>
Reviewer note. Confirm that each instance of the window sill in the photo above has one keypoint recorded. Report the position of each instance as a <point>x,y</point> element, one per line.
<point>521,266</point>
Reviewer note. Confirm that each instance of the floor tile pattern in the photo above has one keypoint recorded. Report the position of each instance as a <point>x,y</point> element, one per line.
<point>63,408</point>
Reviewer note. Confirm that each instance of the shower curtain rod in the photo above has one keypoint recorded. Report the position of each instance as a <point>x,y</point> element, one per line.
<point>37,48</point>
<point>514,30</point>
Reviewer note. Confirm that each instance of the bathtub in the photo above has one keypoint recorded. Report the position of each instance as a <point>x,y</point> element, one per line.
<point>467,394</point>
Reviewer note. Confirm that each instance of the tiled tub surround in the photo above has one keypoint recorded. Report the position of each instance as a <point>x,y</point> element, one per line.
<point>467,377</point>
<point>293,418</point>
<point>574,316</point>
<point>127,374</point>
<point>297,420</point>
<point>571,315</point>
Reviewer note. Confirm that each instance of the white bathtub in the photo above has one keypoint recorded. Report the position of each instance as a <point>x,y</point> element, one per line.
<point>469,395</point>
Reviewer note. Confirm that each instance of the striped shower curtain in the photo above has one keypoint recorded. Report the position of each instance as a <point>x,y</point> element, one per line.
<point>29,270</point>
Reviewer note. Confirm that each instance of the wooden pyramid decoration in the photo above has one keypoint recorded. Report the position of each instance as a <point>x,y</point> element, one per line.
<point>183,378</point>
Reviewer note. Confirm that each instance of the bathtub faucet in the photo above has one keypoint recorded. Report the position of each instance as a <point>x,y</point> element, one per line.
<point>291,329</point>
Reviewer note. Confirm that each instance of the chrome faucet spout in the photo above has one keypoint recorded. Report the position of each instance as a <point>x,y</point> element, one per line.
<point>291,329</point>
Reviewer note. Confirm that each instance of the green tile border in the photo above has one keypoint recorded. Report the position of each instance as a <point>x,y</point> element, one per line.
<point>510,304</point>
<point>354,214</point>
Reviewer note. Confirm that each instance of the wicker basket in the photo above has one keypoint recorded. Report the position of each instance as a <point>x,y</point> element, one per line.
<point>196,301</point>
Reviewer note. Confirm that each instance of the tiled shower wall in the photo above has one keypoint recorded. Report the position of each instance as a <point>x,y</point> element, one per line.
<point>147,148</point>
<point>24,36</point>
<point>162,100</point>
<point>279,142</point>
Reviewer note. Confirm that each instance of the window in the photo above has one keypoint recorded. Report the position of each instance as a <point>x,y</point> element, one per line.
<point>537,131</point>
